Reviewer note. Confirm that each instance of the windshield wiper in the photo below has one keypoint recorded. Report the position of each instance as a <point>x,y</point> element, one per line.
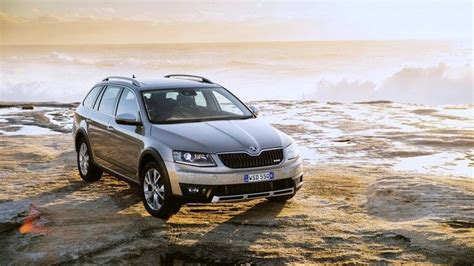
<point>245,117</point>
<point>202,120</point>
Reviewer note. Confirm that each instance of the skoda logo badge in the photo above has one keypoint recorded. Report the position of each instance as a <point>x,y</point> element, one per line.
<point>253,148</point>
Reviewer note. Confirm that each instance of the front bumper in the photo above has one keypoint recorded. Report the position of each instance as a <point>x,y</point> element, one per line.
<point>223,184</point>
<point>239,192</point>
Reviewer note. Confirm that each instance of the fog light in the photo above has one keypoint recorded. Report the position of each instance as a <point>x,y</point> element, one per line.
<point>193,190</point>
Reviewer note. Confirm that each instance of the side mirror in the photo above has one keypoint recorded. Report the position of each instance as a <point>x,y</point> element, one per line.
<point>255,110</point>
<point>128,119</point>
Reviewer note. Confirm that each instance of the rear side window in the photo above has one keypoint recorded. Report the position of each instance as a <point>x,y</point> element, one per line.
<point>89,100</point>
<point>108,100</point>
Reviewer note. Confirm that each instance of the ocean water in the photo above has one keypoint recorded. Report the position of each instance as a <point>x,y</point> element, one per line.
<point>425,72</point>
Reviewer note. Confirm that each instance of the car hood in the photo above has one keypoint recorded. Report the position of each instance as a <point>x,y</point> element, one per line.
<point>221,136</point>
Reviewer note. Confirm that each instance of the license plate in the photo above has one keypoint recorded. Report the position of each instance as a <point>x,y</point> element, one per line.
<point>258,177</point>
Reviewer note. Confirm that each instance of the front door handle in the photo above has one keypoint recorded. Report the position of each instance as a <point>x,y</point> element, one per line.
<point>110,128</point>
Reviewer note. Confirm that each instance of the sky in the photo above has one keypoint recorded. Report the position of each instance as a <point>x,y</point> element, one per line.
<point>119,21</point>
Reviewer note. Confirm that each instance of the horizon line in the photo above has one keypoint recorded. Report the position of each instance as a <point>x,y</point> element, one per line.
<point>238,42</point>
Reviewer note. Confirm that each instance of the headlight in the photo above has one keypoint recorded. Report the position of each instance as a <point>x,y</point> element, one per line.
<point>193,158</point>
<point>292,151</point>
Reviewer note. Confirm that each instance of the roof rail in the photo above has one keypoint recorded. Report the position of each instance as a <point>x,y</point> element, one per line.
<point>134,82</point>
<point>184,76</point>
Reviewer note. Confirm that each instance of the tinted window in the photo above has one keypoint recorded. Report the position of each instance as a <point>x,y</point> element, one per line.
<point>200,99</point>
<point>172,95</point>
<point>107,102</point>
<point>226,104</point>
<point>128,103</point>
<point>89,100</point>
<point>193,105</point>
<point>96,104</point>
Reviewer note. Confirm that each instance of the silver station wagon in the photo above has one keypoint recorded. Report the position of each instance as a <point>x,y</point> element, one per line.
<point>183,138</point>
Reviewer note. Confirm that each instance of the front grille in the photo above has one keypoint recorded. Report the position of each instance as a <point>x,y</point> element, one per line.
<point>237,189</point>
<point>244,160</point>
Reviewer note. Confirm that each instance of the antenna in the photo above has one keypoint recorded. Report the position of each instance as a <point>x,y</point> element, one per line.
<point>133,76</point>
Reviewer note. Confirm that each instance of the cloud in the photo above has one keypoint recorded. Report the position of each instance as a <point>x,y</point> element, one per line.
<point>6,19</point>
<point>137,29</point>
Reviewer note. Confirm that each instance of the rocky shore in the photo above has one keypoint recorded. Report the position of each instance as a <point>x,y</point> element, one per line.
<point>349,211</point>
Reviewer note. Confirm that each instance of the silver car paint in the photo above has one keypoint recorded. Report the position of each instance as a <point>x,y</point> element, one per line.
<point>220,136</point>
<point>208,137</point>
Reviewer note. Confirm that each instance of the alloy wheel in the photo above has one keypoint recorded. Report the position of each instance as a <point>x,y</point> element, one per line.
<point>154,189</point>
<point>83,159</point>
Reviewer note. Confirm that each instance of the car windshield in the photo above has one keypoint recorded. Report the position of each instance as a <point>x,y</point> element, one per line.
<point>193,105</point>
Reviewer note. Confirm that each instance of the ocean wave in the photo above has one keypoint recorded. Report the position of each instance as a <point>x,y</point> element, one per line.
<point>254,75</point>
<point>439,84</point>
<point>39,91</point>
<point>154,61</point>
<point>150,62</point>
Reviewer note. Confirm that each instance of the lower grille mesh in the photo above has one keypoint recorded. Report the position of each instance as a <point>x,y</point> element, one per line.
<point>249,188</point>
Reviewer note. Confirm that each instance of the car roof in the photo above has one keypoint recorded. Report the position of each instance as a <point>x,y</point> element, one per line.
<point>160,83</point>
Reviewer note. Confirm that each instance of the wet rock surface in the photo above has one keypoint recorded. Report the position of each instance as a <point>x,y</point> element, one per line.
<point>35,118</point>
<point>13,213</point>
<point>343,214</point>
<point>436,140</point>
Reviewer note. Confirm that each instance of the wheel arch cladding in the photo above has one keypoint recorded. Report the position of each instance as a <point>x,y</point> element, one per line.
<point>79,136</point>
<point>149,155</point>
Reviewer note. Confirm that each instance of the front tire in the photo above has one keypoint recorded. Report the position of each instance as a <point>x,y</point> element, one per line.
<point>88,171</point>
<point>156,192</point>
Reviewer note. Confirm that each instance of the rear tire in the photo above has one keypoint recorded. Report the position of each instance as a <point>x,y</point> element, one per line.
<point>88,171</point>
<point>156,193</point>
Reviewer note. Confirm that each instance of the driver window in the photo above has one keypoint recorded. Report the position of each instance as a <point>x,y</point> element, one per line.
<point>128,103</point>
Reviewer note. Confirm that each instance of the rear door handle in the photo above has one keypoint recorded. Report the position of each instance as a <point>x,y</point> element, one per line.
<point>110,128</point>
